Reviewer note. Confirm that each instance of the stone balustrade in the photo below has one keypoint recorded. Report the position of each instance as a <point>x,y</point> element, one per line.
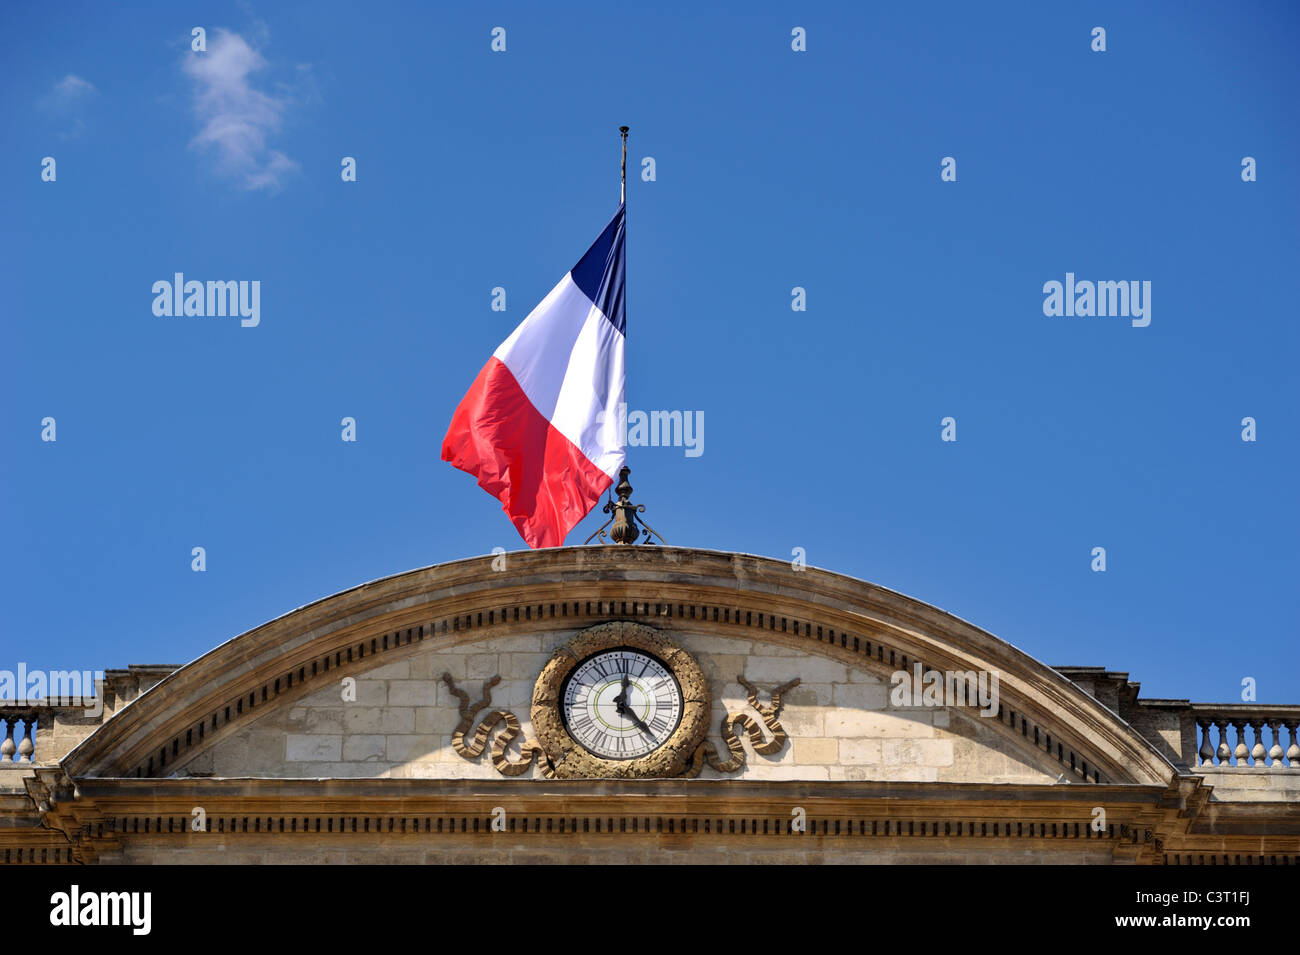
<point>18,737</point>
<point>1232,738</point>
<point>36,732</point>
<point>1247,736</point>
<point>40,732</point>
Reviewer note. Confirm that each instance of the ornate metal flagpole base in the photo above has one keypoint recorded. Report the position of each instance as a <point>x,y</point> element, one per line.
<point>626,526</point>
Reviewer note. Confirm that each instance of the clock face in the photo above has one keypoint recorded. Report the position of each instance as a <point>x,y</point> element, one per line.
<point>621,703</point>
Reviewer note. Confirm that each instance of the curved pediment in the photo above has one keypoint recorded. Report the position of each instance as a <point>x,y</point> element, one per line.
<point>273,702</point>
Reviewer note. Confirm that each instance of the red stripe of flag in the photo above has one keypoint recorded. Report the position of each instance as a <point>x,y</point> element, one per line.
<point>545,484</point>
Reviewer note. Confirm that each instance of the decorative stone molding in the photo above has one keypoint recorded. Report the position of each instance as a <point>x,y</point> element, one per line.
<point>472,751</point>
<point>708,753</point>
<point>685,753</point>
<point>569,759</point>
<point>150,819</point>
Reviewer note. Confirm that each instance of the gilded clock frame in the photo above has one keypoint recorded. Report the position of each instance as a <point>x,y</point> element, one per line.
<point>570,759</point>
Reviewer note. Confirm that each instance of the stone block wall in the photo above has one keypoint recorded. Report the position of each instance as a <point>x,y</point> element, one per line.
<point>839,720</point>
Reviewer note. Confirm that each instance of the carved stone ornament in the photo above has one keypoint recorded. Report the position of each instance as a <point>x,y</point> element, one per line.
<point>569,758</point>
<point>683,751</point>
<point>474,749</point>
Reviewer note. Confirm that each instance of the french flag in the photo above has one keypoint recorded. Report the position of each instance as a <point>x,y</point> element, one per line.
<point>539,426</point>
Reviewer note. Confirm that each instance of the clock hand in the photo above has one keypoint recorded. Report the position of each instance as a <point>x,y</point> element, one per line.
<point>620,701</point>
<point>627,706</point>
<point>622,706</point>
<point>636,721</point>
<point>623,701</point>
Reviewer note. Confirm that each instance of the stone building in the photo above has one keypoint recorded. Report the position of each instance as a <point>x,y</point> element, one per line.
<point>649,704</point>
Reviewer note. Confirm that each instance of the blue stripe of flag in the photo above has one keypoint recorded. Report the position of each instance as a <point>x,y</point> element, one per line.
<point>599,273</point>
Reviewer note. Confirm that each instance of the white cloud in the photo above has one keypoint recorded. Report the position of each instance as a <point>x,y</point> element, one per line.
<point>72,88</point>
<point>236,118</point>
<point>66,101</point>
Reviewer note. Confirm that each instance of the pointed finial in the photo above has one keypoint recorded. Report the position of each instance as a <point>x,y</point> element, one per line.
<point>626,526</point>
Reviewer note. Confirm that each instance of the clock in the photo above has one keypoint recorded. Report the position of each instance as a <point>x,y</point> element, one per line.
<point>621,703</point>
<point>620,700</point>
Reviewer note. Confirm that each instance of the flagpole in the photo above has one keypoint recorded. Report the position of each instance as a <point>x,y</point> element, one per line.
<point>622,190</point>
<point>623,534</point>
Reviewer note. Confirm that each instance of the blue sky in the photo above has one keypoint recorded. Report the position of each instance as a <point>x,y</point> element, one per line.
<point>774,169</point>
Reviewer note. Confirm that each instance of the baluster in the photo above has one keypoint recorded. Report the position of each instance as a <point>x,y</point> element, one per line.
<point>1257,751</point>
<point>1207,751</point>
<point>1293,751</point>
<point>1225,754</point>
<point>7,747</point>
<point>1275,751</point>
<point>1240,752</point>
<point>27,745</point>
